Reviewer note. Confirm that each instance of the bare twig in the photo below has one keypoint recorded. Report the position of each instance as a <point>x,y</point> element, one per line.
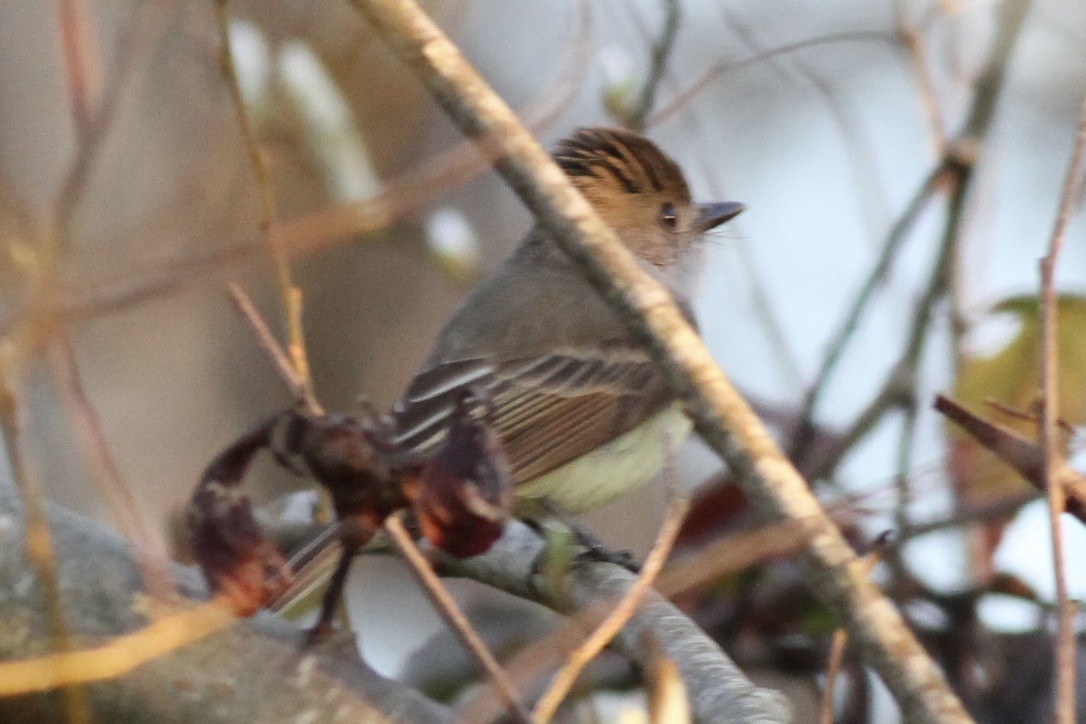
<point>833,668</point>
<point>1025,456</point>
<point>450,611</point>
<point>292,296</point>
<point>1064,656</point>
<point>721,416</point>
<point>730,555</point>
<point>837,656</point>
<point>121,501</point>
<point>894,240</point>
<point>913,41</point>
<point>661,49</point>
<point>900,387</point>
<point>1000,508</point>
<point>298,390</point>
<point>112,484</point>
<point>82,69</point>
<point>608,628</point>
<point>130,46</point>
<point>39,540</point>
<point>717,70</point>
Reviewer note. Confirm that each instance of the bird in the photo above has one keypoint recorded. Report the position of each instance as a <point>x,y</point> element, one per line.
<point>582,413</point>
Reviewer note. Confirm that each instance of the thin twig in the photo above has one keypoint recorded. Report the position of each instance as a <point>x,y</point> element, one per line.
<point>906,442</point>
<point>115,489</point>
<point>894,240</point>
<point>661,49</point>
<point>117,493</point>
<point>82,68</point>
<point>1064,655</point>
<point>719,69</point>
<point>1025,456</point>
<point>1000,508</point>
<point>833,668</point>
<point>131,45</point>
<point>450,611</point>
<point>580,657</point>
<point>292,296</point>
<point>837,656</point>
<point>39,540</point>
<point>900,386</point>
<point>729,555</point>
<point>1015,414</point>
<point>720,414</point>
<point>913,41</point>
<point>244,304</point>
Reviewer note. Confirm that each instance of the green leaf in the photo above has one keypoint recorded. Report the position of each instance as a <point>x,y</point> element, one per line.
<point>1011,376</point>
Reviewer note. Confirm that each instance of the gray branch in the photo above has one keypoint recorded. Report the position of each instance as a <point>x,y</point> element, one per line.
<point>718,689</point>
<point>255,670</point>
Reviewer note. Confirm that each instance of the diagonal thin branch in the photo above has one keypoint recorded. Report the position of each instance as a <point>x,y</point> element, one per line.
<point>298,389</point>
<point>613,623</point>
<point>1025,456</point>
<point>894,239</point>
<point>452,614</point>
<point>112,484</point>
<point>956,167</point>
<point>721,416</point>
<point>717,70</point>
<point>292,295</point>
<point>82,69</point>
<point>661,50</point>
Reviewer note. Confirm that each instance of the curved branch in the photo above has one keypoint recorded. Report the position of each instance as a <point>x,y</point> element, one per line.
<point>718,689</point>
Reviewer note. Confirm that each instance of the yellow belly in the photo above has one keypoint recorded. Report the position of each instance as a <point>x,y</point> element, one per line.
<point>627,462</point>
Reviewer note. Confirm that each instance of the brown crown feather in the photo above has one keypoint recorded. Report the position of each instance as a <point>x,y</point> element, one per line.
<point>630,159</point>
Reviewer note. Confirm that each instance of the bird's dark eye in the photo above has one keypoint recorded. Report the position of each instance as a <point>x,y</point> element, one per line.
<point>668,218</point>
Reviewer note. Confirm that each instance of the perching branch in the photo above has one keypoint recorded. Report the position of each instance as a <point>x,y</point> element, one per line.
<point>719,691</point>
<point>623,611</point>
<point>721,416</point>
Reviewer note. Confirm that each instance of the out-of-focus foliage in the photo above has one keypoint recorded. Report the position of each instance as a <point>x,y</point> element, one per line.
<point>1010,377</point>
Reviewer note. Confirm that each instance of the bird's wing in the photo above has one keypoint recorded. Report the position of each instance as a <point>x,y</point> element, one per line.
<point>548,409</point>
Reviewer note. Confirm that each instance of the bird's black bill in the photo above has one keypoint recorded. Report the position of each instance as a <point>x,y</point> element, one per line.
<point>713,215</point>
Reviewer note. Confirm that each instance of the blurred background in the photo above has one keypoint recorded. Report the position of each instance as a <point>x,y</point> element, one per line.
<point>931,136</point>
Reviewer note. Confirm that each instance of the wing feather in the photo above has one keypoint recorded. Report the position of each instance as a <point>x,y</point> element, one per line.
<point>548,409</point>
